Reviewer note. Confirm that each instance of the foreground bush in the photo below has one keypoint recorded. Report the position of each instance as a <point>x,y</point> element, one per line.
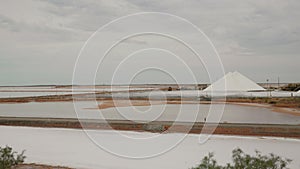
<point>245,161</point>
<point>10,158</point>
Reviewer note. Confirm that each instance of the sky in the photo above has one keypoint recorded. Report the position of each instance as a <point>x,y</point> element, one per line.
<point>41,41</point>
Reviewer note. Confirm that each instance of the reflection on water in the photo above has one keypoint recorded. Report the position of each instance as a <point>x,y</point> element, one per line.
<point>10,92</point>
<point>28,94</point>
<point>170,112</point>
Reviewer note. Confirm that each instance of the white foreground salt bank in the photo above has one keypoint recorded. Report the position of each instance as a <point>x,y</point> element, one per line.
<point>72,148</point>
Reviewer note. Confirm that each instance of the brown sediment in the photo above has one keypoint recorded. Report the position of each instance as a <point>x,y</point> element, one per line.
<point>284,110</point>
<point>250,104</point>
<point>291,102</point>
<point>125,103</point>
<point>285,105</point>
<point>281,105</point>
<point>241,129</point>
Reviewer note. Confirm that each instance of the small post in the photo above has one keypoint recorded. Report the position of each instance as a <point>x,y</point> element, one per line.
<point>278,84</point>
<point>268,87</point>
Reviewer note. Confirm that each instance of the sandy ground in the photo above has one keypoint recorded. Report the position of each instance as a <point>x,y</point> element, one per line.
<point>285,110</point>
<point>125,103</point>
<point>292,111</point>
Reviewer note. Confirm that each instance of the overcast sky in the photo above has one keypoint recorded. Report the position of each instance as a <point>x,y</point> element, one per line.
<point>40,39</point>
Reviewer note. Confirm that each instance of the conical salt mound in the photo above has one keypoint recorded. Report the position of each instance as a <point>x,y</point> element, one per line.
<point>234,82</point>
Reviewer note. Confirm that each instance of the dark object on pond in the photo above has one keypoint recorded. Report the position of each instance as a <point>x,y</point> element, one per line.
<point>205,98</point>
<point>170,89</point>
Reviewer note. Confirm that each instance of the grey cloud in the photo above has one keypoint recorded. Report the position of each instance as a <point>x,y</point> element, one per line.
<point>90,15</point>
<point>7,23</point>
<point>242,31</point>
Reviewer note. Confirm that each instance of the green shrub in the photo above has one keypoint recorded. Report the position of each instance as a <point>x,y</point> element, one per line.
<point>245,161</point>
<point>10,158</point>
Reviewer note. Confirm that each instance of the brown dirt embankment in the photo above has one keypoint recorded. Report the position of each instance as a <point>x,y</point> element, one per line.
<point>126,103</point>
<point>281,105</point>
<point>287,106</point>
<point>288,102</point>
<point>242,129</point>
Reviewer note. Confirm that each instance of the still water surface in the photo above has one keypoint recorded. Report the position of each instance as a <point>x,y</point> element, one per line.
<point>169,112</point>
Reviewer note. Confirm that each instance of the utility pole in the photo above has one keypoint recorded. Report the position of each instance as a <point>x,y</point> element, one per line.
<point>268,87</point>
<point>278,83</point>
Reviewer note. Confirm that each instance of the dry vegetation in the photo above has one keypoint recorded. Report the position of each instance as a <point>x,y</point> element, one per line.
<point>292,102</point>
<point>38,166</point>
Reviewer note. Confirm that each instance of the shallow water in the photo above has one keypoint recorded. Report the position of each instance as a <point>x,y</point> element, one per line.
<point>10,92</point>
<point>29,94</point>
<point>170,112</point>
